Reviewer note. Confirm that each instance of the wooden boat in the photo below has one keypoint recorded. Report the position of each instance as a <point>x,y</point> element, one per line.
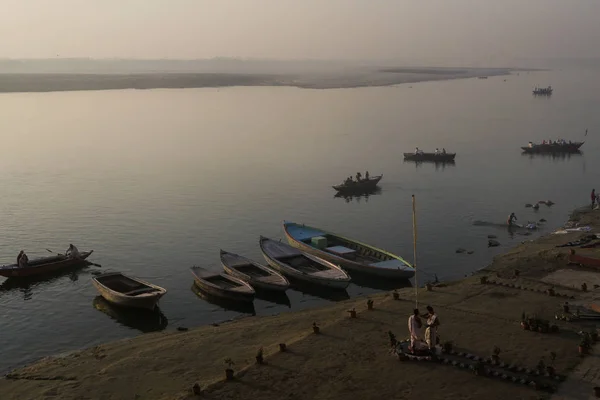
<point>126,291</point>
<point>440,157</point>
<point>43,265</point>
<point>583,260</point>
<point>350,254</point>
<point>296,264</point>
<point>256,275</point>
<point>358,187</point>
<point>566,147</point>
<point>547,91</point>
<point>222,285</point>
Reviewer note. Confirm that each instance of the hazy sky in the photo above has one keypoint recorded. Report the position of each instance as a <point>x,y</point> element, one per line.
<point>485,30</point>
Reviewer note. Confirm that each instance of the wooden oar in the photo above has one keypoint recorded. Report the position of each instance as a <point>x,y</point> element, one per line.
<point>89,262</point>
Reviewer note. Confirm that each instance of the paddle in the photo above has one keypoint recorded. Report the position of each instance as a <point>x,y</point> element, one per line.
<point>89,262</point>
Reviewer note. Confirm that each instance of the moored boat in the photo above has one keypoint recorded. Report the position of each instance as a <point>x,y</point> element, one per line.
<point>553,147</point>
<point>350,254</point>
<point>435,157</point>
<point>539,91</point>
<point>44,265</point>
<point>364,185</point>
<point>222,285</point>
<point>299,265</point>
<point>256,275</point>
<point>583,260</point>
<point>126,291</point>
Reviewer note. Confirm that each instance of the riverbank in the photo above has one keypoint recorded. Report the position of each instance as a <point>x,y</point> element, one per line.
<point>345,78</point>
<point>350,356</point>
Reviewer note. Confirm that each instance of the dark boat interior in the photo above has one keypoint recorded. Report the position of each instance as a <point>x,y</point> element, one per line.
<point>251,270</point>
<point>362,254</point>
<point>222,282</point>
<point>302,263</point>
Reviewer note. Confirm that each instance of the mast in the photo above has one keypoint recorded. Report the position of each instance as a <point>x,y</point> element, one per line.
<point>414,209</point>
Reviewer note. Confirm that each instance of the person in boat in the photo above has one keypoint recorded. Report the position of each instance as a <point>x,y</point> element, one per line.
<point>72,252</point>
<point>367,175</point>
<point>437,151</point>
<point>358,176</point>
<point>431,333</point>
<point>23,260</point>
<point>511,219</point>
<point>19,258</point>
<point>444,151</point>
<point>414,327</point>
<point>530,145</point>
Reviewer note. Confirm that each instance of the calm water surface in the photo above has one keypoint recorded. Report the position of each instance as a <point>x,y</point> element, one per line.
<point>157,181</point>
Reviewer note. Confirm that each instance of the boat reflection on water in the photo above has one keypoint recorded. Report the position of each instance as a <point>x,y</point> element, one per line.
<point>554,156</point>
<point>244,307</point>
<point>276,297</point>
<point>371,282</point>
<point>322,292</point>
<point>139,319</point>
<point>438,164</point>
<point>27,285</point>
<point>358,195</point>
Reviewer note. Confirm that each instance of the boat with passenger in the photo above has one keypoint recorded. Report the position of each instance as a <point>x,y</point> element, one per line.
<point>539,91</point>
<point>44,265</point>
<point>553,146</point>
<point>360,185</point>
<point>436,156</point>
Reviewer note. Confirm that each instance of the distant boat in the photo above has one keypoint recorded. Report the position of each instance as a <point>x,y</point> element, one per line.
<point>44,265</point>
<point>222,285</point>
<point>364,185</point>
<point>554,147</point>
<point>296,264</point>
<point>482,77</point>
<point>350,254</point>
<point>126,291</point>
<point>256,275</point>
<point>439,157</point>
<point>547,91</point>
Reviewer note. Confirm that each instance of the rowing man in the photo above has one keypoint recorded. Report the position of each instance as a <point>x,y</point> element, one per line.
<point>511,219</point>
<point>72,252</point>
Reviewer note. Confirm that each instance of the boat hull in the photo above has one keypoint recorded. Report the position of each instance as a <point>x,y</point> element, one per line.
<point>350,265</point>
<point>336,284</point>
<point>13,271</point>
<point>147,301</point>
<point>256,283</point>
<point>553,148</point>
<point>585,261</point>
<point>222,293</point>
<point>448,157</point>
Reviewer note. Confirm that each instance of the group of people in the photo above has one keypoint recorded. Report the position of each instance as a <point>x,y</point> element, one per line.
<point>415,327</point>
<point>559,141</point>
<point>437,151</point>
<point>358,178</point>
<point>71,253</point>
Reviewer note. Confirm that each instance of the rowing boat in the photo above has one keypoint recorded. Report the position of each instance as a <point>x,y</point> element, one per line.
<point>127,291</point>
<point>358,186</point>
<point>256,275</point>
<point>583,260</point>
<point>296,264</point>
<point>44,265</point>
<point>222,285</point>
<point>350,254</point>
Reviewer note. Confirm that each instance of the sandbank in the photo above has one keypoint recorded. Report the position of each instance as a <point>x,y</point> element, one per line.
<point>347,78</point>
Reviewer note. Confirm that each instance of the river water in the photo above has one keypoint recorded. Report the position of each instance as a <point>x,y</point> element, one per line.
<point>156,181</point>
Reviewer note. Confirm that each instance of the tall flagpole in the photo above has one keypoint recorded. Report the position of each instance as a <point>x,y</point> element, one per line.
<point>415,250</point>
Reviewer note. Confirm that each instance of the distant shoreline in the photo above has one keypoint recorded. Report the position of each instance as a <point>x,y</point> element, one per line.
<point>355,78</point>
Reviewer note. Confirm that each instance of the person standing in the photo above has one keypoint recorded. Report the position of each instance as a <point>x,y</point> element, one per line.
<point>432,325</point>
<point>414,327</point>
<point>593,198</point>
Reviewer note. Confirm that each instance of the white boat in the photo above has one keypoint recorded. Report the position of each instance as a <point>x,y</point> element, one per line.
<point>350,254</point>
<point>296,264</point>
<point>126,291</point>
<point>256,275</point>
<point>222,285</point>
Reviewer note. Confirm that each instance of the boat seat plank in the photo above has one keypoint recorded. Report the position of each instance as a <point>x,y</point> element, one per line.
<point>143,290</point>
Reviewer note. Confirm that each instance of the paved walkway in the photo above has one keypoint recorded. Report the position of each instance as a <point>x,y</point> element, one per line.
<point>581,382</point>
